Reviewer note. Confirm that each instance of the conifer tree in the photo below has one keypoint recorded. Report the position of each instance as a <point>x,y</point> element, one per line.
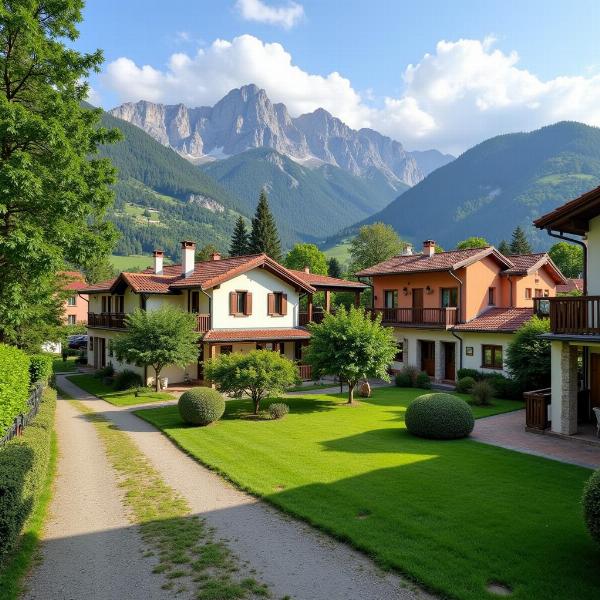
<point>519,243</point>
<point>239,239</point>
<point>504,247</point>
<point>264,236</point>
<point>334,269</point>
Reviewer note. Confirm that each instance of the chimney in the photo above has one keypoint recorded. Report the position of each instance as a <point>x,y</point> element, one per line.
<point>215,256</point>
<point>408,250</point>
<point>188,251</point>
<point>158,261</point>
<point>307,269</point>
<point>428,247</point>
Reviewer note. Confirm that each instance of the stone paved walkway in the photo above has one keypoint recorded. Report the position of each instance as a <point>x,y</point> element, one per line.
<point>508,431</point>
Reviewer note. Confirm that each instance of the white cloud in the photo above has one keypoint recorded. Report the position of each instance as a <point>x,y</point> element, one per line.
<point>464,92</point>
<point>285,16</point>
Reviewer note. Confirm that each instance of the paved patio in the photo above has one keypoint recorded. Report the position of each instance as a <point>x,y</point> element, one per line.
<point>508,431</point>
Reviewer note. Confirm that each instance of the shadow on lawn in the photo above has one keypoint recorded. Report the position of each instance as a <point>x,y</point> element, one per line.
<point>240,408</point>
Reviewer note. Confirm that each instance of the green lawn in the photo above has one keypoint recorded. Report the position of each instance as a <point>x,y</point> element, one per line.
<point>341,251</point>
<point>453,515</point>
<point>124,398</point>
<point>61,366</point>
<point>312,386</point>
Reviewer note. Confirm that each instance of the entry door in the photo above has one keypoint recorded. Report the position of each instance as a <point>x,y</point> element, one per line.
<point>428,357</point>
<point>417,304</point>
<point>449,361</point>
<point>595,379</point>
<point>102,351</point>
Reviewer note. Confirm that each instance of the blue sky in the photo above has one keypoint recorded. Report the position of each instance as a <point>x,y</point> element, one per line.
<point>479,83</point>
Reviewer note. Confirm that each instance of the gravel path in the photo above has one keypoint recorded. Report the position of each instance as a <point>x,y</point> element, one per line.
<point>290,557</point>
<point>89,550</point>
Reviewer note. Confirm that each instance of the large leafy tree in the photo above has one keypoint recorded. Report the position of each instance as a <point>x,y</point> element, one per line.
<point>352,346</point>
<point>568,258</point>
<point>257,373</point>
<point>53,189</point>
<point>158,338</point>
<point>264,236</point>
<point>239,239</point>
<point>519,243</point>
<point>472,242</point>
<point>374,244</point>
<point>306,255</point>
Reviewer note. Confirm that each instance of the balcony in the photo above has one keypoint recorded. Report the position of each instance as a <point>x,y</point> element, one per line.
<point>572,315</point>
<point>202,322</point>
<point>418,317</point>
<point>107,320</point>
<point>317,317</point>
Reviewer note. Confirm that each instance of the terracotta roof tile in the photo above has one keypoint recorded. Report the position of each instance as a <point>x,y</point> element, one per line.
<point>148,283</point>
<point>523,262</point>
<point>570,286</point>
<point>498,319</point>
<point>102,286</point>
<point>325,281</point>
<point>73,280</point>
<point>255,335</point>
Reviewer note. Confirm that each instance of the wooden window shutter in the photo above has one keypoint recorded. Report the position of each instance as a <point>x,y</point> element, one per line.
<point>248,304</point>
<point>270,304</point>
<point>232,303</point>
<point>284,304</point>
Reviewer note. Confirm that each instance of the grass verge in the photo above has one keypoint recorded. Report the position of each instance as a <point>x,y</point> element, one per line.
<point>61,366</point>
<point>94,386</point>
<point>454,516</point>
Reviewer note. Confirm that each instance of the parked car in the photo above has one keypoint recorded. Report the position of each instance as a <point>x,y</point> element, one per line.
<point>78,342</point>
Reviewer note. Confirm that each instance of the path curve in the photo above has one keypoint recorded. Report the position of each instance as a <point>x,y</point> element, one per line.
<point>292,558</point>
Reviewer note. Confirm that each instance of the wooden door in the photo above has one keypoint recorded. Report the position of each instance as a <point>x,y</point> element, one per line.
<point>417,304</point>
<point>102,351</point>
<point>428,357</point>
<point>449,361</point>
<point>595,379</point>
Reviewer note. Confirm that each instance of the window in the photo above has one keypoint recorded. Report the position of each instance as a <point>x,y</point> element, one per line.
<point>143,300</point>
<point>106,304</point>
<point>528,293</point>
<point>277,304</point>
<point>240,303</point>
<point>226,349</point>
<point>546,293</point>
<point>492,296</point>
<point>538,293</point>
<point>91,343</point>
<point>71,320</point>
<point>390,298</point>
<point>297,350</point>
<point>449,297</point>
<point>491,357</point>
<point>119,304</point>
<point>195,302</point>
<point>399,352</point>
<point>72,300</point>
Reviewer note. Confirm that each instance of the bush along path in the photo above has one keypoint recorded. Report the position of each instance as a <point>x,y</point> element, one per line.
<point>293,559</point>
<point>118,531</point>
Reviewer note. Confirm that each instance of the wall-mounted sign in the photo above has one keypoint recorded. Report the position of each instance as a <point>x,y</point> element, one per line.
<point>469,350</point>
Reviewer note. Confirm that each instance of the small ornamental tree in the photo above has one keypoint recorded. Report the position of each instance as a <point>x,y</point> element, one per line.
<point>351,345</point>
<point>257,373</point>
<point>158,338</point>
<point>528,356</point>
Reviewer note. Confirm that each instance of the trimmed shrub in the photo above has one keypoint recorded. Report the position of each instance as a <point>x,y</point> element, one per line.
<point>278,410</point>
<point>40,367</point>
<point>505,387</point>
<point>127,379</point>
<point>482,392</point>
<point>591,505</point>
<point>423,381</point>
<point>201,406</point>
<point>14,384</point>
<point>474,373</point>
<point>24,463</point>
<point>439,416</point>
<point>107,371</point>
<point>407,376</point>
<point>464,385</point>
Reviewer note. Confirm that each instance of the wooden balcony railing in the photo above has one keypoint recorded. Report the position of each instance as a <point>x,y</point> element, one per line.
<point>305,372</point>
<point>317,317</point>
<point>579,315</point>
<point>107,320</point>
<point>536,409</point>
<point>437,317</point>
<point>202,323</point>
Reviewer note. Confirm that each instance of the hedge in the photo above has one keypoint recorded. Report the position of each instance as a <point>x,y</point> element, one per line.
<point>24,463</point>
<point>40,367</point>
<point>14,384</point>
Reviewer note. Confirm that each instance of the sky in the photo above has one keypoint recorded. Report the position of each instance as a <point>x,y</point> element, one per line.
<point>430,74</point>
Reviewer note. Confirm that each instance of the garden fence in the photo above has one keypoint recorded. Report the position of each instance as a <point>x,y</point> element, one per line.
<point>21,421</point>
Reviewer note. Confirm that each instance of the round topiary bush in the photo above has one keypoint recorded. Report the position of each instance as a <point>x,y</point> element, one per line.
<point>591,505</point>
<point>278,410</point>
<point>201,406</point>
<point>465,385</point>
<point>423,381</point>
<point>439,416</point>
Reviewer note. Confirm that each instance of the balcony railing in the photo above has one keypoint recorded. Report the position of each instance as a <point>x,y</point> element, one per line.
<point>107,320</point>
<point>536,409</point>
<point>317,317</point>
<point>305,372</point>
<point>202,323</point>
<point>437,317</point>
<point>578,315</point>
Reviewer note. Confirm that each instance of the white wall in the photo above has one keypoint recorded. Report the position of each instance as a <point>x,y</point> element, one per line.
<point>593,269</point>
<point>477,340</point>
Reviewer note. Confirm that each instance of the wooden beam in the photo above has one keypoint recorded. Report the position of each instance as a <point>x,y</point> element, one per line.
<point>327,301</point>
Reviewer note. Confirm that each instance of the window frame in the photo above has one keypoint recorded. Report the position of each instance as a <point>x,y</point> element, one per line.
<point>399,351</point>
<point>71,320</point>
<point>450,291</point>
<point>492,296</point>
<point>528,293</point>
<point>494,349</point>
<point>394,294</point>
<point>226,349</point>
<point>72,300</point>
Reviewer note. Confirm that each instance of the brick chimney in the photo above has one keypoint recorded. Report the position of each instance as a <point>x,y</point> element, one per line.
<point>307,269</point>
<point>408,250</point>
<point>158,261</point>
<point>188,251</point>
<point>428,247</point>
<point>215,256</point>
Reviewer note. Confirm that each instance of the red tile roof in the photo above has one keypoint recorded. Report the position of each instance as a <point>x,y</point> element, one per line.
<point>524,264</point>
<point>147,283</point>
<point>255,335</point>
<point>102,286</point>
<point>570,286</point>
<point>324,281</point>
<point>503,320</point>
<point>443,261</point>
<point>73,280</point>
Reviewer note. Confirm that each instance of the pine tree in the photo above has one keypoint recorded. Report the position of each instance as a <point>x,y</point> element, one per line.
<point>334,268</point>
<point>519,243</point>
<point>239,239</point>
<point>264,236</point>
<point>504,247</point>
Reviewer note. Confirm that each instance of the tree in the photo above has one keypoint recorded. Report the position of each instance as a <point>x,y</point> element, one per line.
<point>205,253</point>
<point>98,270</point>
<point>54,190</point>
<point>306,255</point>
<point>351,345</point>
<point>239,239</point>
<point>504,247</point>
<point>334,269</point>
<point>257,373</point>
<point>264,236</point>
<point>568,258</point>
<point>158,338</point>
<point>374,244</point>
<point>472,242</point>
<point>528,355</point>
<point>519,243</point>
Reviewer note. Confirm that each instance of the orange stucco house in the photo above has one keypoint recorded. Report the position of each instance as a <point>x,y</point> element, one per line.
<point>458,309</point>
<point>76,305</point>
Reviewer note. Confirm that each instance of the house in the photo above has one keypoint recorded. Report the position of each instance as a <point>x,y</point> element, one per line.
<point>458,309</point>
<point>574,322</point>
<point>572,286</point>
<point>76,305</point>
<point>241,303</point>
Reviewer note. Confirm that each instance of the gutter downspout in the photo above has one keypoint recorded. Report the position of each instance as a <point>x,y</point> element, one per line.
<point>460,302</point>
